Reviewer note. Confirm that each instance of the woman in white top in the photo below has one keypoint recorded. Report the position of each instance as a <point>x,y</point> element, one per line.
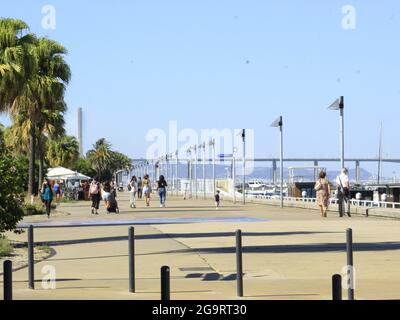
<point>132,188</point>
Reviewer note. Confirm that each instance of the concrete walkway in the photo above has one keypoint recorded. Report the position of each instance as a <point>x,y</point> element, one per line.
<point>288,254</point>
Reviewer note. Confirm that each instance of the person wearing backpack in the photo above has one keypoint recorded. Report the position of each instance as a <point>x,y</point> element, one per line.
<point>47,196</point>
<point>94,192</point>
<point>343,192</point>
<point>132,188</point>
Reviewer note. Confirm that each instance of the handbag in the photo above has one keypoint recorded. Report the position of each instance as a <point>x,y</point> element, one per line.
<point>345,190</point>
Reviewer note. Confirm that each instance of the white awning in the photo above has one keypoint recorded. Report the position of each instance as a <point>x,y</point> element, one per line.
<point>65,174</point>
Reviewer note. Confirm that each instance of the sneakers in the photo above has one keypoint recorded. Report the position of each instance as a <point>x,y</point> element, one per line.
<point>92,210</point>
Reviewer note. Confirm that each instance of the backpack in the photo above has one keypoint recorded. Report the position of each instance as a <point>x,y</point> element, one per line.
<point>94,188</point>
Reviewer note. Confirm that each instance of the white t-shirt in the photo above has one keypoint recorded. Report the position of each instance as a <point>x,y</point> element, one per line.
<point>344,178</point>
<point>133,187</point>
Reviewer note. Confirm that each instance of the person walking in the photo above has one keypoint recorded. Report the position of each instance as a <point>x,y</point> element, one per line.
<point>217,200</point>
<point>132,188</point>
<point>323,188</point>
<point>106,194</point>
<point>47,196</point>
<point>114,187</point>
<point>57,191</point>
<point>343,192</point>
<point>95,195</point>
<point>140,188</point>
<point>162,190</point>
<point>146,183</point>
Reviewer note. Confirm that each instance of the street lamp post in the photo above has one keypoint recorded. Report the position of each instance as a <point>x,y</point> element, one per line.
<point>203,146</point>
<point>279,123</point>
<point>234,174</point>
<point>189,153</point>
<point>177,173</point>
<point>339,105</point>
<point>167,169</point>
<point>195,170</point>
<point>212,144</point>
<point>244,165</point>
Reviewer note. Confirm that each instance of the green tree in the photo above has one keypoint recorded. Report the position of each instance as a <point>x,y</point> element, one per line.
<point>50,126</point>
<point>17,61</point>
<point>11,189</point>
<point>63,152</point>
<point>118,161</point>
<point>42,91</point>
<point>100,156</point>
<point>83,165</point>
<point>105,161</point>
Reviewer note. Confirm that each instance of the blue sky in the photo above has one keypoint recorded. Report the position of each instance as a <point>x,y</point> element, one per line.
<point>136,65</point>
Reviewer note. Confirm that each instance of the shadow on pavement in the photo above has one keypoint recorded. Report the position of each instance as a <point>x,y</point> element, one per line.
<point>179,236</point>
<point>296,248</point>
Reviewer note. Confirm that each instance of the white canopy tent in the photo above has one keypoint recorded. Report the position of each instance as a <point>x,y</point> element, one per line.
<point>61,173</point>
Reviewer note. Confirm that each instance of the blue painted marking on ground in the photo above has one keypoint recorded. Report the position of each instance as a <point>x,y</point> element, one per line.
<point>96,223</point>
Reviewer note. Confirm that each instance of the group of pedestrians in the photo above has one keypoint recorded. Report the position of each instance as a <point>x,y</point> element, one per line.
<point>106,192</point>
<point>323,189</point>
<point>138,188</point>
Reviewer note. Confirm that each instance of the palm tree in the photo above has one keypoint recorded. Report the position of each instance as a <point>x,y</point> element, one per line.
<point>17,61</point>
<point>100,156</point>
<point>63,152</point>
<point>42,91</point>
<point>50,126</point>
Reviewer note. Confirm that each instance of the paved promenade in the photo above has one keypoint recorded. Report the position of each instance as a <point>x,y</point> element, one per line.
<point>288,254</point>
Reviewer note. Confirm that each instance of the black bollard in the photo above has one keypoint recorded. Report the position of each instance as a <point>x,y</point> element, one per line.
<point>337,287</point>
<point>31,259</point>
<point>132,287</point>
<point>350,264</point>
<point>239,263</point>
<point>7,293</point>
<point>165,284</point>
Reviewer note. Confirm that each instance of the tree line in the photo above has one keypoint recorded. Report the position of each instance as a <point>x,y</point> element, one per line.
<point>34,76</point>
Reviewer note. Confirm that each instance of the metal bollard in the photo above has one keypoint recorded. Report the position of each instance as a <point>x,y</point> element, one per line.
<point>337,287</point>
<point>239,263</point>
<point>350,264</point>
<point>132,287</point>
<point>7,280</point>
<point>31,259</point>
<point>165,284</point>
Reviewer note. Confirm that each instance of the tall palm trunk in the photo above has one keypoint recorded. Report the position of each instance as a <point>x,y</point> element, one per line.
<point>41,160</point>
<point>32,151</point>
